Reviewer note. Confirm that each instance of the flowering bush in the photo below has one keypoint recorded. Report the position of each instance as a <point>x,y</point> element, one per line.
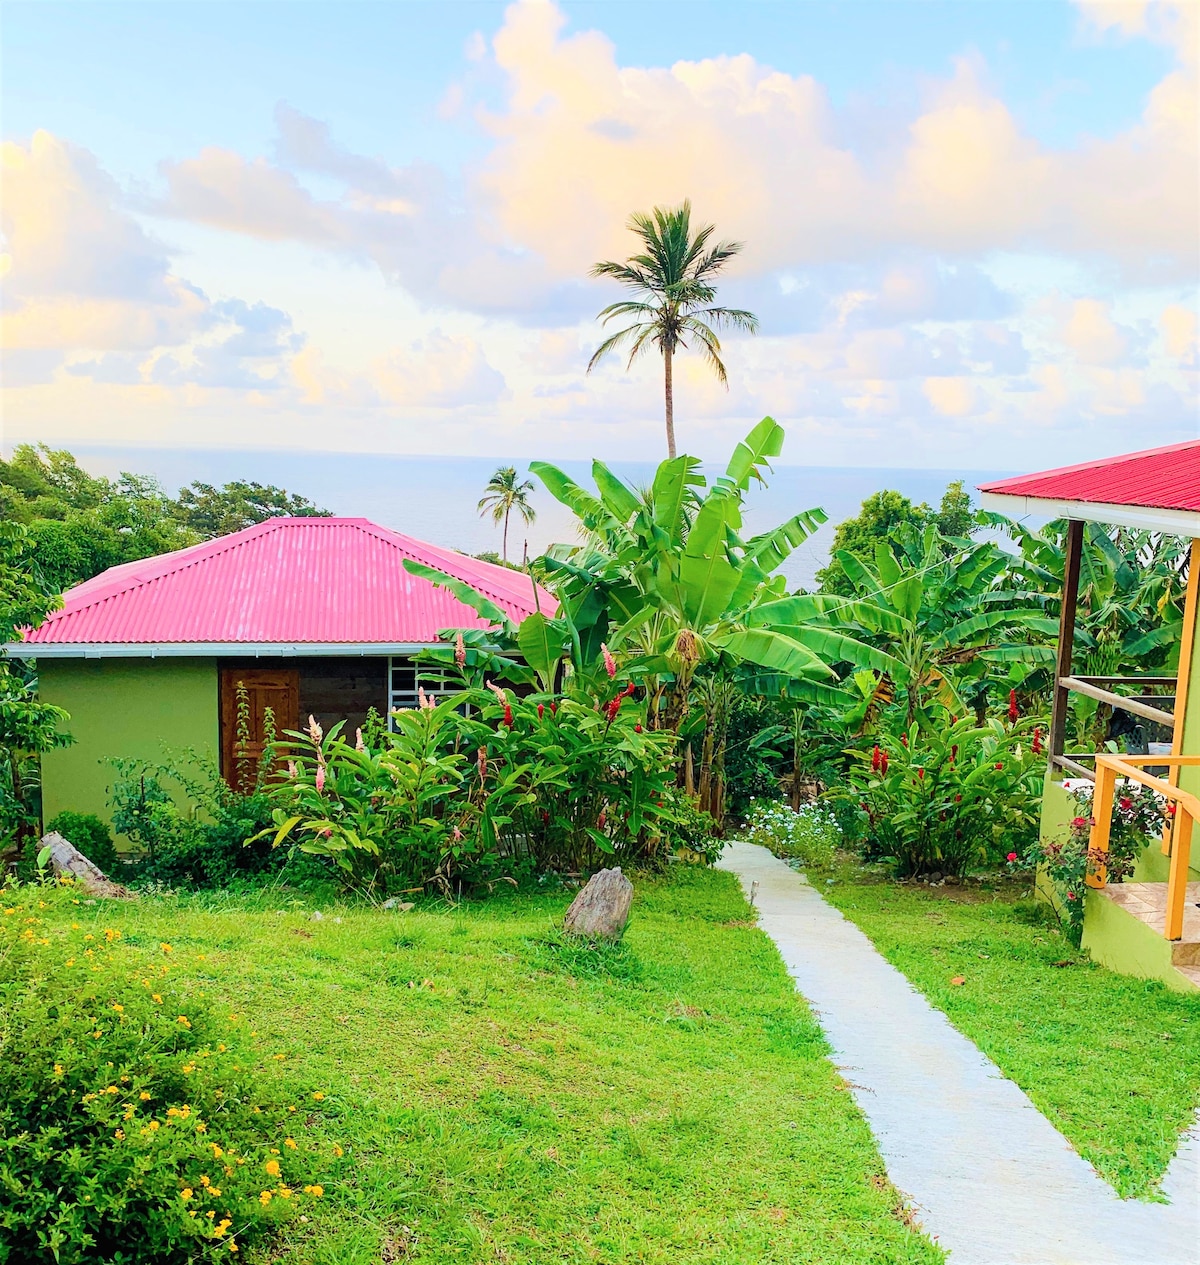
<point>942,799</point>
<point>480,783</point>
<point>1139,815</point>
<point>134,1124</point>
<point>809,833</point>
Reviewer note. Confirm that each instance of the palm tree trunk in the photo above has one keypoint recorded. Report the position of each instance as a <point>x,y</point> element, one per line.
<point>669,391</point>
<point>504,546</point>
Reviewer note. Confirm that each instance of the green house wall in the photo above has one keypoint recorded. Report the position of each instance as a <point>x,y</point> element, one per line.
<point>125,708</point>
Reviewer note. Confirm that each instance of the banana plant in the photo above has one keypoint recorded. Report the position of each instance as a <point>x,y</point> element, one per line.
<point>944,612</point>
<point>668,576</point>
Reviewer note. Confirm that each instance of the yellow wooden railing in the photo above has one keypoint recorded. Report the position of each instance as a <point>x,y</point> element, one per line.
<point>1187,809</point>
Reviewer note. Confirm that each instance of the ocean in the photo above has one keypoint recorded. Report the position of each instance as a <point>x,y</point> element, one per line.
<point>434,498</point>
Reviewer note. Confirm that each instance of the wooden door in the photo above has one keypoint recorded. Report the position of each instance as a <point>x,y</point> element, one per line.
<point>244,738</point>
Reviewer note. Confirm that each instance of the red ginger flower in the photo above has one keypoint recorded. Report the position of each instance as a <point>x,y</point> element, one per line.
<point>883,763</point>
<point>1013,713</point>
<point>1036,746</point>
<point>921,773</point>
<point>614,707</point>
<point>876,759</point>
<point>508,719</point>
<point>541,710</point>
<point>1012,856</point>
<point>1125,802</point>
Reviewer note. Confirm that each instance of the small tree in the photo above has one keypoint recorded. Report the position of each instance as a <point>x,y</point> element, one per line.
<point>672,284</point>
<point>502,496</point>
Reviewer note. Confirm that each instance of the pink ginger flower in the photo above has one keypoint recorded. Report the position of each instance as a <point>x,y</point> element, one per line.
<point>314,730</point>
<point>460,651</point>
<point>610,664</point>
<point>481,761</point>
<point>292,770</point>
<point>457,835</point>
<point>426,702</point>
<point>359,745</point>
<point>320,777</point>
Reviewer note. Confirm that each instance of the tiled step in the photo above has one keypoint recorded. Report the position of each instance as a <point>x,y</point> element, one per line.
<point>1191,973</point>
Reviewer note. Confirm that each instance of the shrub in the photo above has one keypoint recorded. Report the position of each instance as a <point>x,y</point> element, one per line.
<point>479,784</point>
<point>1139,815</point>
<point>135,1125</point>
<point>809,834</point>
<point>940,800</point>
<point>202,845</point>
<point>86,831</point>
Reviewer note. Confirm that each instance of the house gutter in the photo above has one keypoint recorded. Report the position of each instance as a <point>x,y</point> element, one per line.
<point>211,649</point>
<point>1144,517</point>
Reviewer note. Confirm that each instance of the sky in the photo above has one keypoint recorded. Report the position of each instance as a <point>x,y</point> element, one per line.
<point>971,230</point>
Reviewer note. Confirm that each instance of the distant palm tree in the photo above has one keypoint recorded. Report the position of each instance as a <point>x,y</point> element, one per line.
<point>504,494</point>
<point>675,295</point>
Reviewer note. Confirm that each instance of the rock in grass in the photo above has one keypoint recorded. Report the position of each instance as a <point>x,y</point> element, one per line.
<point>65,858</point>
<point>601,909</point>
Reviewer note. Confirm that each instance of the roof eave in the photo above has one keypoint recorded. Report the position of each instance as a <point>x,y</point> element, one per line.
<point>210,649</point>
<point>1143,517</point>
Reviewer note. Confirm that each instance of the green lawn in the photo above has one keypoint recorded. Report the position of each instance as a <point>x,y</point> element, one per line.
<point>1113,1062</point>
<point>508,1097</point>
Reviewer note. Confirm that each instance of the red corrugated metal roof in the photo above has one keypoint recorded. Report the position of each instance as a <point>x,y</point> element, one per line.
<point>1159,478</point>
<point>318,580</point>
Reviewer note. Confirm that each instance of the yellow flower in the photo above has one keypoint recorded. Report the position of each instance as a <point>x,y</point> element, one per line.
<point>285,1192</point>
<point>70,961</point>
<point>202,1127</point>
<point>272,1167</point>
<point>318,1096</point>
<point>153,1125</point>
<point>111,1089</point>
<point>89,936</point>
<point>204,1180</point>
<point>264,1197</point>
<point>144,1096</point>
<point>184,1021</point>
<point>337,1150</point>
<point>215,1191</point>
<point>185,1194</point>
<point>222,1225</point>
<point>13,911</point>
<point>279,1056</point>
<point>315,1191</point>
<point>120,1135</point>
<point>110,934</point>
<point>118,1008</point>
<point>58,1069</point>
<point>216,1150</point>
<point>233,1247</point>
<point>221,1048</point>
<point>290,1142</point>
<point>166,948</point>
<point>156,997</point>
<point>188,1069</point>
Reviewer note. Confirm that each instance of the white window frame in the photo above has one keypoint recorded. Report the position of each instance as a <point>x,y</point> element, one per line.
<point>404,699</point>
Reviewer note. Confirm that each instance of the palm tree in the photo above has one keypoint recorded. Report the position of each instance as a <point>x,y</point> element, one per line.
<point>504,494</point>
<point>674,295</point>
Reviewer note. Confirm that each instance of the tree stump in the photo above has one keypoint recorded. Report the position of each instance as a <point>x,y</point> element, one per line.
<point>65,858</point>
<point>601,909</point>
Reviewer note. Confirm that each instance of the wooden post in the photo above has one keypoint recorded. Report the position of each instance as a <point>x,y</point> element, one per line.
<point>1178,875</point>
<point>1066,639</point>
<point>1102,809</point>
<point>1187,641</point>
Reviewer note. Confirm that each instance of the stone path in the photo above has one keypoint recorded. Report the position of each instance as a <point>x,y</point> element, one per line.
<point>988,1175</point>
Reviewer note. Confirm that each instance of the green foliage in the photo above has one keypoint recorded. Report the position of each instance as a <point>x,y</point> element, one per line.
<point>948,797</point>
<point>480,785</point>
<point>204,843</point>
<point>134,1126</point>
<point>80,524</point>
<point>809,834</point>
<point>1139,815</point>
<point>210,511</point>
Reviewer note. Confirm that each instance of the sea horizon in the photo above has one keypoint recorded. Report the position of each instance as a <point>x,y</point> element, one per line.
<point>435,498</point>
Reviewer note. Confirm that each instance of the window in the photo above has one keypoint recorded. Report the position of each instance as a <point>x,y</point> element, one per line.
<point>404,677</point>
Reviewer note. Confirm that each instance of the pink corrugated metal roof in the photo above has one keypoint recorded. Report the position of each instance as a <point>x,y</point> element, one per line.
<point>1159,478</point>
<point>319,580</point>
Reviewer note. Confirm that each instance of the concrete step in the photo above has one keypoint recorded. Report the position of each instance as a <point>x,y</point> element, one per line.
<point>1186,953</point>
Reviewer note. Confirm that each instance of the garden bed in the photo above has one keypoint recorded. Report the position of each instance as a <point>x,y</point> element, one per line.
<point>504,1095</point>
<point>1112,1061</point>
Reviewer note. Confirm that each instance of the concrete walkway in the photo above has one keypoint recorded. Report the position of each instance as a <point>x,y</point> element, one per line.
<point>989,1177</point>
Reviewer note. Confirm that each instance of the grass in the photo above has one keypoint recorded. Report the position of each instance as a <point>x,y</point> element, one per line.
<point>508,1095</point>
<point>1112,1061</point>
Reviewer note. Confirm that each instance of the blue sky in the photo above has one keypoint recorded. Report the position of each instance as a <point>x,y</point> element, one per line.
<point>367,226</point>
